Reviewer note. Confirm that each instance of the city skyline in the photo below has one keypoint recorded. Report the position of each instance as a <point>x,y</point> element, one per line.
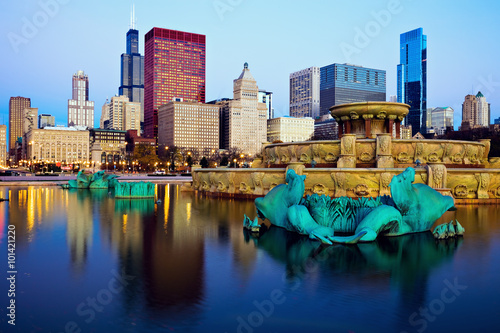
<point>367,37</point>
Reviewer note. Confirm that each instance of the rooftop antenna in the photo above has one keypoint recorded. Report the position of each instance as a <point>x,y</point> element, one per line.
<point>132,17</point>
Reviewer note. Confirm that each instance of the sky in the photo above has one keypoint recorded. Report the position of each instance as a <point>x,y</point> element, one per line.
<point>44,42</point>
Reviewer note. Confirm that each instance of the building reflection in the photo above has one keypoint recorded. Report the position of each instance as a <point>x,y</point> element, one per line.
<point>79,226</point>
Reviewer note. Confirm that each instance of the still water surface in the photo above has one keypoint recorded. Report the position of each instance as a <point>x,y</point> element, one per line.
<point>89,262</point>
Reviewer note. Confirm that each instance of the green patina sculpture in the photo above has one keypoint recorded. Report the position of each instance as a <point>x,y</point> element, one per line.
<point>448,230</point>
<point>411,208</point>
<point>98,180</point>
<point>134,190</point>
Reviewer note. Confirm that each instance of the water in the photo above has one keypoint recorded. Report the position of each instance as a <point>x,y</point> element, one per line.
<point>89,263</point>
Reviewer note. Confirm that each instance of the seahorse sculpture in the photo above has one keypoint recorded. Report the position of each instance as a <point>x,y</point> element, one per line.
<point>411,208</point>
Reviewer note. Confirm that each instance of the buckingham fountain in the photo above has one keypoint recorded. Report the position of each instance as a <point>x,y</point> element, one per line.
<point>363,162</point>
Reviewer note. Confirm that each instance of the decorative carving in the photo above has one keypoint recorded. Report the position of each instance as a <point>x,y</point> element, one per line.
<point>419,149</point>
<point>403,157</point>
<point>257,178</point>
<point>385,179</point>
<point>340,184</point>
<point>361,190</point>
<point>230,181</point>
<point>319,189</point>
<point>293,153</point>
<point>457,158</point>
<point>461,191</point>
<point>347,145</point>
<point>433,157</point>
<point>385,142</point>
<point>196,180</point>
<point>331,157</point>
<point>423,176</point>
<point>205,186</point>
<point>382,115</point>
<point>316,151</point>
<point>365,157</point>
<point>221,187</point>
<point>346,162</point>
<point>497,192</point>
<point>304,158</point>
<point>483,180</point>
<point>213,181</point>
<point>245,188</point>
<point>354,115</point>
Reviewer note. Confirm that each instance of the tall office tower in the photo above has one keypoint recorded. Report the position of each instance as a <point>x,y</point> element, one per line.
<point>122,114</point>
<point>46,120</point>
<point>412,77</point>
<point>442,119</point>
<point>266,97</point>
<point>3,145</point>
<point>17,105</point>
<point>190,125</point>
<point>174,67</point>
<point>243,121</point>
<point>469,113</point>
<point>132,68</point>
<point>345,83</point>
<point>304,93</point>
<point>104,122</point>
<point>80,109</point>
<point>483,110</point>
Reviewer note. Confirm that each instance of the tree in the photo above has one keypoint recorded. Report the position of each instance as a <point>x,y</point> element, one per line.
<point>204,162</point>
<point>146,156</point>
<point>224,161</point>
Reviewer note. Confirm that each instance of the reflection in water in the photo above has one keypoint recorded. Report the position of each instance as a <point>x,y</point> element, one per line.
<point>194,270</point>
<point>407,260</point>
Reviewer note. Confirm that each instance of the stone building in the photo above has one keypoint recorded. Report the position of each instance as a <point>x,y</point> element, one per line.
<point>243,122</point>
<point>290,129</point>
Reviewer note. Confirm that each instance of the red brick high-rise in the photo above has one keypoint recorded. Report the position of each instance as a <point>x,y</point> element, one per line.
<point>174,67</point>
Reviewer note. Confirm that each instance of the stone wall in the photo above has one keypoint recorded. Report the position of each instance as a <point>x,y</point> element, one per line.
<point>384,151</point>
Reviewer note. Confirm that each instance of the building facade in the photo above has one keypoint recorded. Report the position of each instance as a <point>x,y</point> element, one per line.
<point>412,77</point>
<point>3,145</point>
<point>345,83</point>
<point>104,122</point>
<point>107,147</point>
<point>46,120</point>
<point>132,69</point>
<point>80,109</point>
<point>266,97</point>
<point>326,128</point>
<point>190,125</point>
<point>58,144</point>
<point>304,93</point>
<point>290,129</point>
<point>174,67</point>
<point>122,114</point>
<point>243,120</point>
<point>17,113</point>
<point>483,110</point>
<point>442,119</point>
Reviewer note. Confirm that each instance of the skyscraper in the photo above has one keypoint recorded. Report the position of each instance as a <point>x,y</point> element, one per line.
<point>80,109</point>
<point>243,121</point>
<point>346,83</point>
<point>122,114</point>
<point>174,67</point>
<point>46,120</point>
<point>3,145</point>
<point>16,119</point>
<point>483,110</point>
<point>304,93</point>
<point>475,112</point>
<point>132,68</point>
<point>412,77</point>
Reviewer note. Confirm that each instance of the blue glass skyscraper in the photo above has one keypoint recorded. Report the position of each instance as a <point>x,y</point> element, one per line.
<point>132,70</point>
<point>412,78</point>
<point>345,83</point>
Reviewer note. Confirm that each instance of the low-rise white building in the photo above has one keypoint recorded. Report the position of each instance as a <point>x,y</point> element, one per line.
<point>290,129</point>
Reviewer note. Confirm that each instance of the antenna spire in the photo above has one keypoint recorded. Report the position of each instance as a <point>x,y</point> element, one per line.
<point>132,17</point>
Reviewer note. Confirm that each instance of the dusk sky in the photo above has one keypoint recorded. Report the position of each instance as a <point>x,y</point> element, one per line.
<point>276,38</point>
